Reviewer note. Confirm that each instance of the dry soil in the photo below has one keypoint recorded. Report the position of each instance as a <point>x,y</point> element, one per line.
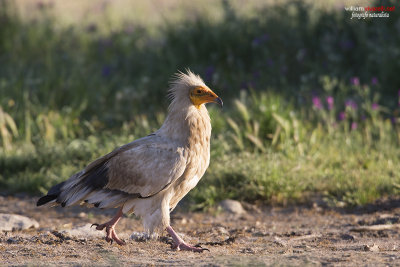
<point>264,236</point>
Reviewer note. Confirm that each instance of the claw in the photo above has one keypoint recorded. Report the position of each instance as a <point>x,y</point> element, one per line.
<point>111,235</point>
<point>179,244</point>
<point>95,224</point>
<point>184,246</point>
<point>199,246</point>
<point>99,226</point>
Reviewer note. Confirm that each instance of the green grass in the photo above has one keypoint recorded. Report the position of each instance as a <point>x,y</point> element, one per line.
<point>70,94</point>
<point>342,174</point>
<point>343,168</point>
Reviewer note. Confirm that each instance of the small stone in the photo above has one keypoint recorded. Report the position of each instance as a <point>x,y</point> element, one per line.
<point>140,237</point>
<point>232,206</point>
<point>14,240</point>
<point>222,230</point>
<point>83,231</point>
<point>248,251</point>
<point>261,233</point>
<point>67,226</point>
<point>373,248</point>
<point>13,222</point>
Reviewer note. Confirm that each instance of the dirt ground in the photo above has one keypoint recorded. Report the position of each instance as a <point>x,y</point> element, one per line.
<point>264,236</point>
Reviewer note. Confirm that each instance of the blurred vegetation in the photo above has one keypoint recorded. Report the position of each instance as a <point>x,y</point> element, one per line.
<point>312,100</point>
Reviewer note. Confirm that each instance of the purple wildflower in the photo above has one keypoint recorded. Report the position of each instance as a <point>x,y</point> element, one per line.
<point>374,106</point>
<point>260,40</point>
<point>393,120</point>
<point>351,104</point>
<point>354,125</point>
<point>342,116</point>
<point>106,71</point>
<point>256,41</point>
<point>317,102</point>
<point>374,81</point>
<point>330,102</point>
<point>355,81</point>
<point>270,62</point>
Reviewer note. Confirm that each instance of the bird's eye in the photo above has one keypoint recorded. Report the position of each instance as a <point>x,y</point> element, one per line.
<point>198,91</point>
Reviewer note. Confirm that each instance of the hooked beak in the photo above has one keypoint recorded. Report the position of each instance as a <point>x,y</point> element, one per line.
<point>218,100</point>
<point>206,97</point>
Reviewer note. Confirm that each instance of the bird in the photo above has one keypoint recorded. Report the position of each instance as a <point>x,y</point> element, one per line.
<point>150,175</point>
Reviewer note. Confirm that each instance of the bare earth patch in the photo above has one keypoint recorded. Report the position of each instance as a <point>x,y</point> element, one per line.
<point>282,236</point>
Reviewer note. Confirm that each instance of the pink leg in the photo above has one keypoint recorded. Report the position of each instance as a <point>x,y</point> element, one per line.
<point>111,234</point>
<point>179,244</point>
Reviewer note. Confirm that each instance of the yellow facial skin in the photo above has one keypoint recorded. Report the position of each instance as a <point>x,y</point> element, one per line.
<point>201,95</point>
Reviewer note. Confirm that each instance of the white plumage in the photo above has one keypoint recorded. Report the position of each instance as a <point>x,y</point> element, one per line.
<point>149,176</point>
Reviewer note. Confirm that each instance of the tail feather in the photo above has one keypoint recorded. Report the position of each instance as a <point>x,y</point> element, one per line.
<point>51,195</point>
<point>46,199</point>
<point>86,186</point>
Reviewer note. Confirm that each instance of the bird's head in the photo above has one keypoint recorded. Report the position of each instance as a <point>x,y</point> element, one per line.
<point>202,94</point>
<point>188,86</point>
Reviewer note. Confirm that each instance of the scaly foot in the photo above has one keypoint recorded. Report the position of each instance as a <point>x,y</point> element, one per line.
<point>111,234</point>
<point>179,244</point>
<point>187,247</point>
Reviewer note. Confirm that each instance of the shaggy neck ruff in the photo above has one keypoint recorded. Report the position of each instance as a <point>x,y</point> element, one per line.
<point>186,123</point>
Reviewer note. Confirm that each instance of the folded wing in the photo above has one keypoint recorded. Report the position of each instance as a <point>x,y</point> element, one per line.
<point>139,169</point>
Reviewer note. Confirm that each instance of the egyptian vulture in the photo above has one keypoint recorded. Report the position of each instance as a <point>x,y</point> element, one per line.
<point>150,175</point>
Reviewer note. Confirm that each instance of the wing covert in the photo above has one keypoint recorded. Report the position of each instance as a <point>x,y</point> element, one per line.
<point>146,169</point>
